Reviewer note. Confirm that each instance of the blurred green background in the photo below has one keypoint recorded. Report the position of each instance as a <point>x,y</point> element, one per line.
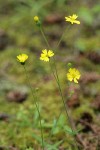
<point>80,46</point>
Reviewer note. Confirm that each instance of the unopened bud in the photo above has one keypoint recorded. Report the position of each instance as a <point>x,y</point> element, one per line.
<point>69,64</point>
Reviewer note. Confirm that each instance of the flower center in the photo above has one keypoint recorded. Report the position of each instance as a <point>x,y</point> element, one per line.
<point>73,75</point>
<point>73,19</point>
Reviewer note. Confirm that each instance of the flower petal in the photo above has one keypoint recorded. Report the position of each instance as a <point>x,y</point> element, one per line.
<point>76,21</point>
<point>74,16</point>
<point>44,51</point>
<point>69,77</point>
<point>50,53</point>
<point>75,80</point>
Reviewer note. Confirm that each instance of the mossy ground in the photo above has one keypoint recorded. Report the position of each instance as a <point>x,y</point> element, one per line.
<point>23,36</point>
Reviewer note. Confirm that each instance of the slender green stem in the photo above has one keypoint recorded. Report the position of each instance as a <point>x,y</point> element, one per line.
<point>52,71</point>
<point>62,36</point>
<point>65,105</point>
<point>35,102</point>
<point>58,83</point>
<point>62,110</point>
<point>42,32</point>
<point>57,119</point>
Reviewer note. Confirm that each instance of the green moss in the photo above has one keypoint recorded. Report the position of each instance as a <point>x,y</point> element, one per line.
<point>25,37</point>
<point>88,44</point>
<point>85,108</point>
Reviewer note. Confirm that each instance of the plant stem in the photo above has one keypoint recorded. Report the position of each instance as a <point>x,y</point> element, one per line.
<point>35,102</point>
<point>58,83</point>
<point>57,120</point>
<point>65,105</point>
<point>62,36</point>
<point>42,32</point>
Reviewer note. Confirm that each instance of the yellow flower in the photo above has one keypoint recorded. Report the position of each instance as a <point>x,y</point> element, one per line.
<point>36,18</point>
<point>22,58</point>
<point>73,75</point>
<point>46,54</point>
<point>72,19</point>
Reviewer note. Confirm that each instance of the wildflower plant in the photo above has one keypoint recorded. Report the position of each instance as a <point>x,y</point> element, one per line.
<point>22,59</point>
<point>73,75</point>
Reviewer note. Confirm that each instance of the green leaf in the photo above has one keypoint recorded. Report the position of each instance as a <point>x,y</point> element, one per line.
<point>46,125</point>
<point>48,146</point>
<point>61,121</point>
<point>54,146</point>
<point>70,131</point>
<point>37,138</point>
